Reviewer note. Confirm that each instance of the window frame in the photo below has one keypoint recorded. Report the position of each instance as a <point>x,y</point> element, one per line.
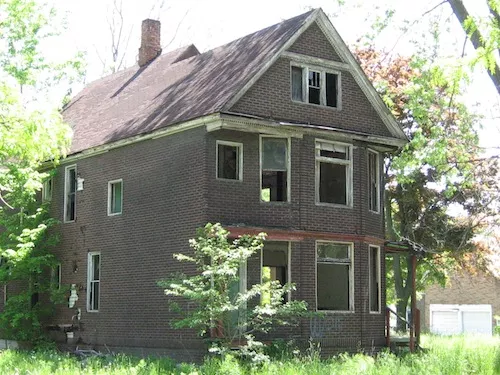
<point>288,168</point>
<point>289,265</point>
<point>47,188</point>
<point>377,176</point>
<point>305,84</point>
<point>90,281</point>
<point>66,188</point>
<point>351,275</point>
<point>349,172</point>
<point>239,147</point>
<point>379,280</point>
<point>110,196</point>
<point>56,275</point>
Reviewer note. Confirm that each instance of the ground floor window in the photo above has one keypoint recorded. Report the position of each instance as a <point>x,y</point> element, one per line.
<point>93,281</point>
<point>374,277</point>
<point>334,276</point>
<point>275,266</point>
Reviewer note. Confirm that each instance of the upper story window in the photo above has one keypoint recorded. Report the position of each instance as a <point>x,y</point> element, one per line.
<point>229,160</point>
<point>115,197</point>
<point>373,181</point>
<point>70,193</point>
<point>333,173</point>
<point>274,165</point>
<point>315,86</point>
<point>47,189</point>
<point>334,276</point>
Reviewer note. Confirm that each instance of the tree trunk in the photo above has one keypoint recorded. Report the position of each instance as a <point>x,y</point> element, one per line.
<point>403,289</point>
<point>476,38</point>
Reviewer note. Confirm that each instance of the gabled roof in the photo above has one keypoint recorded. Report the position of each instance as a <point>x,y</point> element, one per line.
<point>168,91</point>
<point>184,85</point>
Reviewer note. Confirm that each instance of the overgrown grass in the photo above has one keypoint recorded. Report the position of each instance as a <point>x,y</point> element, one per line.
<point>443,355</point>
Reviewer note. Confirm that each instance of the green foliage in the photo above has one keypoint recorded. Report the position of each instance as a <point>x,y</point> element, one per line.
<point>222,306</point>
<point>443,355</point>
<point>31,133</point>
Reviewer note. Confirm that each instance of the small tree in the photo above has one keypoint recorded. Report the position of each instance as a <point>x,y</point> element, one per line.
<point>228,313</point>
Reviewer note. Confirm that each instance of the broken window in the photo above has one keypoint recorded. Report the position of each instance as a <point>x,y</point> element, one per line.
<point>333,173</point>
<point>374,275</point>
<point>373,181</point>
<point>47,189</point>
<point>321,87</point>
<point>334,276</point>
<point>274,167</point>
<point>70,193</point>
<point>229,160</point>
<point>274,266</point>
<point>115,197</point>
<point>93,281</point>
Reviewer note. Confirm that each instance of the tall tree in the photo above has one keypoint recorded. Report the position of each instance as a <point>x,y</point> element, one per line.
<point>30,134</point>
<point>486,44</point>
<point>435,172</point>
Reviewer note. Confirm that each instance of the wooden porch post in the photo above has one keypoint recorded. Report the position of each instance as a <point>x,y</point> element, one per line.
<point>413,301</point>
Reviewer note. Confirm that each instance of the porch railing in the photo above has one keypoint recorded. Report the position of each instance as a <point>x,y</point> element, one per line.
<point>413,338</point>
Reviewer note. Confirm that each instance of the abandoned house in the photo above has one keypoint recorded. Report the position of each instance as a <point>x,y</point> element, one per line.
<point>279,131</point>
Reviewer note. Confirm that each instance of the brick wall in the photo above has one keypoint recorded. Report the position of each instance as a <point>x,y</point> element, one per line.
<point>170,189</point>
<point>270,97</point>
<point>462,289</point>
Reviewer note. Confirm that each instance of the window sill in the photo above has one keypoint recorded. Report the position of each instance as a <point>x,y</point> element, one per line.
<point>374,212</point>
<point>278,203</point>
<point>375,312</point>
<point>331,312</point>
<point>336,109</point>
<point>334,205</point>
<point>228,179</point>
<point>68,222</point>
<point>115,214</point>
<point>92,311</point>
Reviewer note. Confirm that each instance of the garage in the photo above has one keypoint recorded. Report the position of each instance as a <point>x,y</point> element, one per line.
<point>461,319</point>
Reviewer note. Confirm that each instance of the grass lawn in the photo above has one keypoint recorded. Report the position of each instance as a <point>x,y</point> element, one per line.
<point>443,355</point>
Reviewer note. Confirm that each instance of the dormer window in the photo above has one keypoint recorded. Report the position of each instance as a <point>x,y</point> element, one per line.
<point>315,86</point>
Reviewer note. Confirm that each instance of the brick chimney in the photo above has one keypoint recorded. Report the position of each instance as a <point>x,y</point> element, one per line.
<point>150,41</point>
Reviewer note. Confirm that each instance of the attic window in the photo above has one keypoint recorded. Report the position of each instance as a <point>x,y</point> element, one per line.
<point>315,86</point>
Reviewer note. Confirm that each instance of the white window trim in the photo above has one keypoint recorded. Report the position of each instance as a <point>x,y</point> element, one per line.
<point>89,274</point>
<point>379,280</point>
<point>66,187</point>
<point>240,159</point>
<point>289,265</point>
<point>110,183</point>
<point>377,156</point>
<point>305,84</point>
<point>46,192</point>
<point>349,177</point>
<point>351,277</point>
<point>288,167</point>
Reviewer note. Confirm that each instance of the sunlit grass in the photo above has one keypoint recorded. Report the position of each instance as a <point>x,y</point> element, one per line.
<point>442,355</point>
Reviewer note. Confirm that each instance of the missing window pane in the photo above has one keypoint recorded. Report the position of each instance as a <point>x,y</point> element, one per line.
<point>331,90</point>
<point>228,162</point>
<point>297,86</point>
<point>274,186</point>
<point>333,183</point>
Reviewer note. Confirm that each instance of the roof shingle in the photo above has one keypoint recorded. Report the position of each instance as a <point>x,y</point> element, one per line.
<point>175,87</point>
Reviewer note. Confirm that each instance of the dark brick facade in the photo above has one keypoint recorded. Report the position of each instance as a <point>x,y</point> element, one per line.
<point>170,189</point>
